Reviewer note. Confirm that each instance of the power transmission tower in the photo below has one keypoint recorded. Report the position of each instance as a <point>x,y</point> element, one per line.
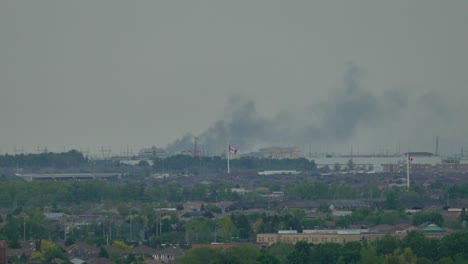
<point>106,151</point>
<point>18,150</point>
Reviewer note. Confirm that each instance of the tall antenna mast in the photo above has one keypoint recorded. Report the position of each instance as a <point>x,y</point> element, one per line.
<point>437,146</point>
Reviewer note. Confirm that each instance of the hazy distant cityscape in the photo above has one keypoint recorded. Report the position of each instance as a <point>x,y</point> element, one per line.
<point>233,132</point>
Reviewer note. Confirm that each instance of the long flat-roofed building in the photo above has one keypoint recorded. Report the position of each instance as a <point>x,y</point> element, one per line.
<point>322,236</point>
<point>281,153</point>
<point>68,176</point>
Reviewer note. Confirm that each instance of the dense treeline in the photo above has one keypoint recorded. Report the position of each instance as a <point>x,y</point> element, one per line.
<point>65,193</point>
<point>173,164</point>
<point>184,163</point>
<point>71,158</point>
<point>412,249</point>
<point>458,191</point>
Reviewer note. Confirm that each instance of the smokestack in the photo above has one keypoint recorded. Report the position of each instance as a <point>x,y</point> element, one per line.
<point>437,146</point>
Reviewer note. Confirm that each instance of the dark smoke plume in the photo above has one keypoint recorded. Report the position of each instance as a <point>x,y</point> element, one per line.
<point>335,120</point>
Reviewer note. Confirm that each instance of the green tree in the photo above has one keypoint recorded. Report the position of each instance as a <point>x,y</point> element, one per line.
<point>245,254</point>
<point>267,258</point>
<point>12,231</point>
<point>200,230</point>
<point>336,167</point>
<point>326,253</point>
<point>422,246</point>
<point>454,245</point>
<point>325,169</point>
<point>226,228</point>
<point>387,244</point>
<point>103,253</point>
<point>302,253</point>
<point>428,217</point>
<point>369,255</point>
<point>200,255</point>
<point>281,250</point>
<point>351,251</point>
<point>241,222</point>
<point>401,257</point>
<point>350,165</point>
<point>392,201</point>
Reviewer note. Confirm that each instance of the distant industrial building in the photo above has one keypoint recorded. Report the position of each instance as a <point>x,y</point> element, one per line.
<point>425,168</point>
<point>279,172</point>
<point>152,153</point>
<point>69,176</point>
<point>281,153</point>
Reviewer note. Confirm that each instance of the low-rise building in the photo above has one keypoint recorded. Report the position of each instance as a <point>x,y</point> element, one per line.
<point>281,153</point>
<point>152,153</point>
<point>322,236</point>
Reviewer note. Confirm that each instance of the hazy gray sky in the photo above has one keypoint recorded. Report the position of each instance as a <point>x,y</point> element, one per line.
<point>371,74</point>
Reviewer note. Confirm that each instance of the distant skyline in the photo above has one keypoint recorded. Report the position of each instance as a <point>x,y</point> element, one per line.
<point>330,75</point>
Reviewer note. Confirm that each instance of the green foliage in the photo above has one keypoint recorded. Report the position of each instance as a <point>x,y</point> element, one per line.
<point>324,208</point>
<point>366,215</point>
<point>320,190</point>
<point>351,252</point>
<point>186,163</point>
<point>368,255</point>
<point>415,248</point>
<point>350,165</point>
<point>313,223</point>
<point>103,253</point>
<point>200,255</point>
<point>13,243</point>
<point>324,169</point>
<point>226,228</point>
<point>421,245</point>
<point>200,230</point>
<point>267,258</point>
<point>326,253</point>
<point>389,218</point>
<point>428,217</point>
<point>401,257</point>
<point>132,259</point>
<point>336,167</point>
<point>12,230</point>
<point>242,224</point>
<point>213,209</point>
<point>245,254</point>
<point>46,251</point>
<point>458,191</point>
<point>463,216</point>
<point>302,253</point>
<point>122,245</point>
<point>281,251</point>
<point>454,245</point>
<point>392,200</point>
<point>387,244</point>
<point>71,158</point>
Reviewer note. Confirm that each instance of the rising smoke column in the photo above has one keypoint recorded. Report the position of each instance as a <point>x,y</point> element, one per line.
<point>335,120</point>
